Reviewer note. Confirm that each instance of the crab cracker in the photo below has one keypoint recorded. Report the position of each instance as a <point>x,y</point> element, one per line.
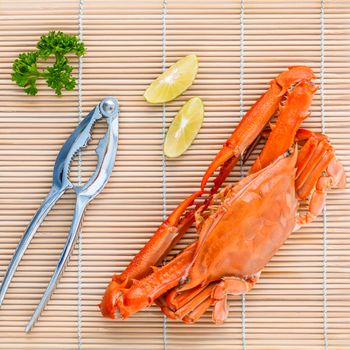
<point>106,151</point>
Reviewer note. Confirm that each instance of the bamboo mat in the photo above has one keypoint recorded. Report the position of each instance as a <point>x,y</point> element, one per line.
<point>303,298</point>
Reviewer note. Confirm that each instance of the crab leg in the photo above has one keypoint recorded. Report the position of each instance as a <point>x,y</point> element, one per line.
<point>196,300</point>
<point>303,135</point>
<point>175,300</point>
<point>188,305</point>
<point>292,114</point>
<point>254,122</point>
<point>198,311</point>
<point>229,286</point>
<point>191,304</point>
<point>165,308</point>
<point>316,157</point>
<point>311,166</point>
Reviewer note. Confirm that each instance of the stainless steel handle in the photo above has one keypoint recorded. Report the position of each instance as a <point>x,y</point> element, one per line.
<point>38,218</point>
<point>64,258</point>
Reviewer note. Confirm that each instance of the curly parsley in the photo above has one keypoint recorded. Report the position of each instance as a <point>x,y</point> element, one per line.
<point>59,75</point>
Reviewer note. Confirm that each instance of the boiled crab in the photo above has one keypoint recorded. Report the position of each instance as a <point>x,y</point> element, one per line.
<point>238,236</point>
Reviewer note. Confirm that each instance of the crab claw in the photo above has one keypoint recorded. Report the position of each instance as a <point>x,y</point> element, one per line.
<point>144,292</point>
<point>143,264</point>
<point>254,122</point>
<point>110,297</point>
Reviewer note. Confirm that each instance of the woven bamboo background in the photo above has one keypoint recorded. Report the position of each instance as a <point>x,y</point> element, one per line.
<point>303,298</point>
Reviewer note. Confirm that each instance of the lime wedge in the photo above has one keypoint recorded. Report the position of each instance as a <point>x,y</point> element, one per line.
<point>184,128</point>
<point>174,81</point>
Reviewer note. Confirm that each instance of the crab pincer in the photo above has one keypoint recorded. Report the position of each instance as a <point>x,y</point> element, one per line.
<point>143,264</point>
<point>253,123</point>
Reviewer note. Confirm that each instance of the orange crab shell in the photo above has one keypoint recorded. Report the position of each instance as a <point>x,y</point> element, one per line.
<point>254,220</point>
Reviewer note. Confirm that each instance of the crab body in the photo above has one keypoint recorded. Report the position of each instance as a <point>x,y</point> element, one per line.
<point>253,221</point>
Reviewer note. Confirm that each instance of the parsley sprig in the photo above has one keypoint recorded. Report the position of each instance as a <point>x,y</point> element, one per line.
<point>25,71</point>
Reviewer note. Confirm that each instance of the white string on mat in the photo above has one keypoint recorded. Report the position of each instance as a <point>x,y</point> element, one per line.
<point>80,117</point>
<point>323,127</point>
<point>241,112</point>
<point>164,182</point>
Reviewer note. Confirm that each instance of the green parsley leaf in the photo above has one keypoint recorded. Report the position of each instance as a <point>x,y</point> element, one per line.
<point>59,76</point>
<point>59,44</point>
<point>25,71</point>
